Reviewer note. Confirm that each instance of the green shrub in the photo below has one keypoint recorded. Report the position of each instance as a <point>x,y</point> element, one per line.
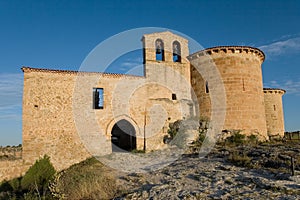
<point>174,128</point>
<point>137,151</point>
<point>236,138</point>
<point>172,131</point>
<point>201,138</point>
<point>241,160</point>
<point>5,186</point>
<point>252,138</point>
<point>204,125</point>
<point>39,175</point>
<point>16,184</point>
<point>31,196</point>
<point>11,189</point>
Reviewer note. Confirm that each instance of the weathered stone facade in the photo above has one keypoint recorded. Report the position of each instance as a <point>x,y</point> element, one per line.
<point>274,112</point>
<point>60,119</point>
<point>240,71</point>
<point>58,111</point>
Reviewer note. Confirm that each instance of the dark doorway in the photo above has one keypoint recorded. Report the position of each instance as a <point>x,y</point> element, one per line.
<point>123,136</point>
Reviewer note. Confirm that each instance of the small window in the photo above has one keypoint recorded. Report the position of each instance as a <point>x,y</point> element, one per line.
<point>176,52</point>
<point>174,97</point>
<point>206,87</point>
<point>144,55</point>
<point>98,98</point>
<point>159,50</point>
<point>243,85</point>
<point>274,107</point>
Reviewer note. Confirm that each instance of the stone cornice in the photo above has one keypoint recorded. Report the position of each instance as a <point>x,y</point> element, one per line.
<point>165,34</point>
<point>228,49</point>
<point>55,71</point>
<point>274,90</point>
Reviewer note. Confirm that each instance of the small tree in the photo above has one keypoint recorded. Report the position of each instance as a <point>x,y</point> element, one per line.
<point>38,176</point>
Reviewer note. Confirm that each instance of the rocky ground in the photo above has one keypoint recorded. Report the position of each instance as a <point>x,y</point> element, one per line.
<point>265,175</point>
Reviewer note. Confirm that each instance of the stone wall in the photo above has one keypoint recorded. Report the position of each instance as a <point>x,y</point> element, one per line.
<point>10,169</point>
<point>48,124</point>
<point>11,163</point>
<point>239,69</point>
<point>59,119</point>
<point>274,112</point>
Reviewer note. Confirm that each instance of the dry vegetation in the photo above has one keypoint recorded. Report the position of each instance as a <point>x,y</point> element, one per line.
<point>86,180</point>
<point>248,152</point>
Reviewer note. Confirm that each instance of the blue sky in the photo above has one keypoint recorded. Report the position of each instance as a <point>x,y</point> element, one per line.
<point>60,34</point>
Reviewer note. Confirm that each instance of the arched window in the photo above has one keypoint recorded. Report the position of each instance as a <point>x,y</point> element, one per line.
<point>159,50</point>
<point>176,52</point>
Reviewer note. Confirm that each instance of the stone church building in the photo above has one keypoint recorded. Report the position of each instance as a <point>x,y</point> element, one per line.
<point>70,115</point>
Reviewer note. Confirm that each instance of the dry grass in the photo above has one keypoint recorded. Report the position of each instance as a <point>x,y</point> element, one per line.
<point>238,159</point>
<point>86,180</point>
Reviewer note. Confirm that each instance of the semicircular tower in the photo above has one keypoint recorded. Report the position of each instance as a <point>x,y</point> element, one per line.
<point>274,111</point>
<point>240,70</point>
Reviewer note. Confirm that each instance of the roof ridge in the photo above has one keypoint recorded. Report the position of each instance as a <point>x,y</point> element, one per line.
<point>28,69</point>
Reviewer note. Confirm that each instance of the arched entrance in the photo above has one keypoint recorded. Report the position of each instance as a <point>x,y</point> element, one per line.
<point>123,136</point>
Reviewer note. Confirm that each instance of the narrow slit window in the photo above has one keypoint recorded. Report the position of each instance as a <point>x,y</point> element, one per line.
<point>159,50</point>
<point>176,52</point>
<point>206,87</point>
<point>274,107</point>
<point>243,85</point>
<point>174,97</point>
<point>144,55</point>
<point>98,100</point>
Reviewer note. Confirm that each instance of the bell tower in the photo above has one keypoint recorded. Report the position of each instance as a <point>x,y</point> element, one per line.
<point>165,52</point>
<point>166,66</point>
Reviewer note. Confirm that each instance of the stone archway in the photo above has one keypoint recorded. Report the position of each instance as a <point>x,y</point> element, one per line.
<point>123,136</point>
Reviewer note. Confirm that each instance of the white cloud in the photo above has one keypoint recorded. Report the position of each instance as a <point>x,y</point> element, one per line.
<point>11,89</point>
<point>291,86</point>
<point>281,47</point>
<point>130,64</point>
